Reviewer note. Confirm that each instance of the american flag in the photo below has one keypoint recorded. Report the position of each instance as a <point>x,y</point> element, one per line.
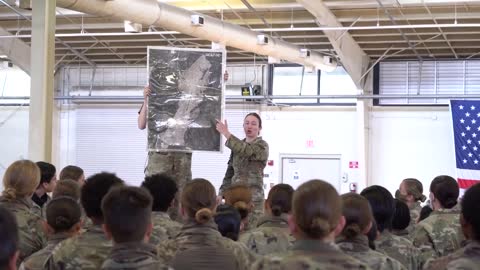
<point>466,133</point>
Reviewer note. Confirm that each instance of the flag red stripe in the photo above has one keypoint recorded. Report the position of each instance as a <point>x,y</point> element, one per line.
<point>466,183</point>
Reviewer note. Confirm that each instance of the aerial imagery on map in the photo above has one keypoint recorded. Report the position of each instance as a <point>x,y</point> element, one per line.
<point>186,99</point>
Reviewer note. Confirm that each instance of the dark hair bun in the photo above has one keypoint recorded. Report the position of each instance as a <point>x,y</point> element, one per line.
<point>319,227</point>
<point>351,231</point>
<point>203,215</point>
<point>276,210</point>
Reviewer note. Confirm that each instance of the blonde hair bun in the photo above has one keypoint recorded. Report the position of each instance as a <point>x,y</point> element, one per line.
<point>203,215</point>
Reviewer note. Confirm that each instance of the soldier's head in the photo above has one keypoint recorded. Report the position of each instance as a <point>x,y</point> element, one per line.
<point>48,178</point>
<point>20,179</point>
<point>240,197</point>
<point>279,200</point>
<point>470,219</point>
<point>198,200</point>
<point>73,173</point>
<point>410,191</point>
<point>401,218</point>
<point>63,215</point>
<point>127,212</point>
<point>358,215</point>
<point>163,189</point>
<point>382,204</point>
<point>317,211</point>
<point>424,213</point>
<point>69,188</point>
<point>444,192</point>
<point>252,125</point>
<point>95,188</point>
<point>9,238</point>
<point>228,221</point>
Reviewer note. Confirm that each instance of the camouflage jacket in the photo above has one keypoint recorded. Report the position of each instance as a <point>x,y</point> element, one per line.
<point>30,229</point>
<point>198,245</point>
<point>440,234</point>
<point>246,164</point>
<point>399,248</point>
<point>40,259</point>
<point>164,228</point>
<point>359,249</point>
<point>309,255</point>
<point>467,257</point>
<point>85,251</point>
<point>414,214</point>
<point>132,256</point>
<point>402,233</point>
<point>271,236</point>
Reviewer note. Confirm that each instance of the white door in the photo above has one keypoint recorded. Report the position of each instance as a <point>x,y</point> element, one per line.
<point>297,169</point>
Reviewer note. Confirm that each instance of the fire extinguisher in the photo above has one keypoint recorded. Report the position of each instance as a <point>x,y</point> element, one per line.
<point>353,187</point>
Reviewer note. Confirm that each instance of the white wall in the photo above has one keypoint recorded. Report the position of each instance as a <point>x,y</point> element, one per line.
<point>331,129</point>
<point>13,136</point>
<point>410,142</point>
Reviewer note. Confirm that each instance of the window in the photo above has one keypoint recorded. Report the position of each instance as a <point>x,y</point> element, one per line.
<point>14,82</point>
<point>416,78</point>
<point>294,80</point>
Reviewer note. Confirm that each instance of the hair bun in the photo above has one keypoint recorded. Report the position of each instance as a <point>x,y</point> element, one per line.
<point>423,198</point>
<point>62,221</point>
<point>319,227</point>
<point>351,231</point>
<point>276,210</point>
<point>10,193</point>
<point>242,208</point>
<point>203,215</point>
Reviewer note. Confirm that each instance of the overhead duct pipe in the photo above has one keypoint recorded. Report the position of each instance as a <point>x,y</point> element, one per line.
<point>152,12</point>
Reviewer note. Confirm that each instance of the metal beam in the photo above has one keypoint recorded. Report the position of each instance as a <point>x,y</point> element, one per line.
<point>16,50</point>
<point>353,58</point>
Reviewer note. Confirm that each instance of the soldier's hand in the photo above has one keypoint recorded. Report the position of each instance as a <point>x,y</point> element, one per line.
<point>146,92</point>
<point>222,128</point>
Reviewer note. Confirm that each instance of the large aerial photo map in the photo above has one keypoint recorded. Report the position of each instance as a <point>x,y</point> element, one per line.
<point>186,98</point>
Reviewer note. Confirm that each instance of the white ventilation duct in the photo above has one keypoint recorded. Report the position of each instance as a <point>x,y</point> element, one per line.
<point>152,12</point>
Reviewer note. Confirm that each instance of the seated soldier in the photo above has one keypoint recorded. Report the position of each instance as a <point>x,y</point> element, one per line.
<point>89,249</point>
<point>383,208</point>
<point>9,238</point>
<point>240,197</point>
<point>401,219</point>
<point>354,241</point>
<point>440,234</point>
<point>127,212</point>
<point>228,221</point>
<point>63,221</point>
<point>272,234</point>
<point>48,180</point>
<point>315,222</point>
<point>73,173</point>
<point>199,245</point>
<point>468,257</point>
<point>163,190</point>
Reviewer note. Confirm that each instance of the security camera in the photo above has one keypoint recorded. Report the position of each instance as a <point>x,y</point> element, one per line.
<point>304,53</point>
<point>328,60</point>
<point>197,20</point>
<point>262,39</point>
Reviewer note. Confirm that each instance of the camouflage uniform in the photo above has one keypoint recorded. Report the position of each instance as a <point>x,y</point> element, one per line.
<point>198,245</point>
<point>176,164</point>
<point>310,254</point>
<point>468,255</point>
<point>85,251</point>
<point>402,233</point>
<point>30,229</point>
<point>246,164</point>
<point>440,234</point>
<point>135,255</point>
<point>414,214</point>
<point>164,228</point>
<point>359,249</point>
<point>40,259</point>
<point>271,236</point>
<point>398,248</point>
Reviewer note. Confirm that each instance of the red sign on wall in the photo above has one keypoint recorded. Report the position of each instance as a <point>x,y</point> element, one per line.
<point>353,164</point>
